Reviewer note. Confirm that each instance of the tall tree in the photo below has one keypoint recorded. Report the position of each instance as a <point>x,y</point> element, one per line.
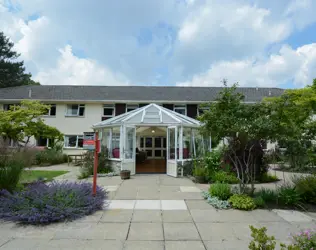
<point>12,72</point>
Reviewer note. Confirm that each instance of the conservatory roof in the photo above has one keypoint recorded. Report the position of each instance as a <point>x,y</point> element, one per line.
<point>151,114</point>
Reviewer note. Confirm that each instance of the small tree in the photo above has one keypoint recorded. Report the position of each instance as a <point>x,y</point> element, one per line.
<point>243,126</point>
<point>23,121</point>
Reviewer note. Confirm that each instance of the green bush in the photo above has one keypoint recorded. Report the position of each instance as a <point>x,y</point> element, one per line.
<point>259,201</point>
<point>10,173</point>
<point>50,157</point>
<point>266,178</point>
<point>306,187</point>
<point>220,190</point>
<point>212,161</point>
<point>261,240</point>
<point>242,202</point>
<point>268,195</point>
<point>224,177</point>
<point>88,164</point>
<point>288,195</point>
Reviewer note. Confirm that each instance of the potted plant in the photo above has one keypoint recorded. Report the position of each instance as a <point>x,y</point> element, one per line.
<point>125,174</point>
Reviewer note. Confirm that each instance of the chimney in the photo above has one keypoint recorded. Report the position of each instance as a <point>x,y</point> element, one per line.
<point>30,93</point>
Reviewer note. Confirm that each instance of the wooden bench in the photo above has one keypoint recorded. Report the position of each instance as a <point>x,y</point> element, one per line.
<point>77,158</point>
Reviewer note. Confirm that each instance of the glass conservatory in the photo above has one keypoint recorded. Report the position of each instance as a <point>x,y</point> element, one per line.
<point>151,139</point>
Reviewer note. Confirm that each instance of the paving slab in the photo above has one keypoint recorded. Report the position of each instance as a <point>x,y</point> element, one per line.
<point>242,230</point>
<point>293,216</point>
<point>184,245</point>
<point>205,215</point>
<point>63,244</point>
<point>198,204</point>
<point>176,216</point>
<point>94,218</point>
<point>88,231</point>
<point>23,244</point>
<point>148,204</point>
<point>148,195</point>
<point>102,244</point>
<point>144,245</point>
<point>145,231</point>
<point>125,195</point>
<point>215,245</point>
<point>110,188</point>
<point>180,231</point>
<point>117,215</point>
<point>280,230</point>
<point>227,245</point>
<point>304,225</point>
<point>173,205</point>
<point>190,189</point>
<point>147,216</point>
<point>121,204</point>
<point>233,215</point>
<point>262,215</point>
<point>216,231</point>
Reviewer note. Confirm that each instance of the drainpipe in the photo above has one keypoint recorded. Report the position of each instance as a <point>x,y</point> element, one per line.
<point>96,162</point>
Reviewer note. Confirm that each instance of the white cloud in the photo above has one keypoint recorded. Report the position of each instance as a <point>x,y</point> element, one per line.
<point>71,70</point>
<point>286,66</point>
<point>182,38</point>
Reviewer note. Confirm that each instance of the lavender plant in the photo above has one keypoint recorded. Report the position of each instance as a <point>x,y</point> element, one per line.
<point>42,203</point>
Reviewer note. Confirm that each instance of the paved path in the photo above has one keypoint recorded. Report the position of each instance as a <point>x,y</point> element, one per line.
<point>155,212</point>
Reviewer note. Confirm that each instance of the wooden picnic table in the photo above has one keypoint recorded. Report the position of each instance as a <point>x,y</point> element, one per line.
<point>75,157</point>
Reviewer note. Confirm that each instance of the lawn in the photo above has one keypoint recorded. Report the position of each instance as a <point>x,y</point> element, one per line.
<point>33,175</point>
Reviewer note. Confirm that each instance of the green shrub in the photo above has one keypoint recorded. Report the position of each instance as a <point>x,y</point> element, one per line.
<point>266,178</point>
<point>224,177</point>
<point>10,174</point>
<point>306,187</point>
<point>200,171</point>
<point>261,240</point>
<point>259,201</point>
<point>212,161</point>
<point>50,157</point>
<point>220,190</point>
<point>215,202</point>
<point>288,195</point>
<point>242,202</point>
<point>268,195</point>
<point>88,164</point>
<point>305,239</point>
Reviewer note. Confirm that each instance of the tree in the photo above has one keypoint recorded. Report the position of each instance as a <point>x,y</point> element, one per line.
<point>294,123</point>
<point>23,121</point>
<point>243,126</point>
<point>12,72</point>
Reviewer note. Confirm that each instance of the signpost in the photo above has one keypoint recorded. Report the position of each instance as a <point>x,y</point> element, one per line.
<point>96,147</point>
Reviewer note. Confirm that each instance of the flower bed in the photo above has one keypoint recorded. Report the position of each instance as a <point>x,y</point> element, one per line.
<point>41,203</point>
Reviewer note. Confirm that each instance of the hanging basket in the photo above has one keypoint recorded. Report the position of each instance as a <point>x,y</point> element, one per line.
<point>125,174</point>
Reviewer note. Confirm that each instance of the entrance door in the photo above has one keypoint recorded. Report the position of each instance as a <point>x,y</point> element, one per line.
<point>172,151</point>
<point>129,149</point>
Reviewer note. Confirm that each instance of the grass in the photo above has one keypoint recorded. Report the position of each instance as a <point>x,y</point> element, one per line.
<point>33,175</point>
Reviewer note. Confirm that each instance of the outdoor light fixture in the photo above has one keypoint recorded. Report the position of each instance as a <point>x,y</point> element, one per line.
<point>153,131</point>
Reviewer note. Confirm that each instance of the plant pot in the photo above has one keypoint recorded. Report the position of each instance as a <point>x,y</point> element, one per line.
<point>199,179</point>
<point>125,174</point>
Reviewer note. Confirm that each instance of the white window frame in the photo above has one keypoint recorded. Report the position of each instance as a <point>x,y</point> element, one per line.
<point>77,115</point>
<point>133,106</point>
<point>77,139</point>
<point>180,107</point>
<point>7,104</point>
<point>47,143</point>
<point>109,106</point>
<point>202,108</point>
<point>49,110</point>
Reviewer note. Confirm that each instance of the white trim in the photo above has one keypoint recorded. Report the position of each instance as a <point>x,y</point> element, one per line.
<point>80,105</point>
<point>110,106</point>
<point>180,106</point>
<point>131,104</point>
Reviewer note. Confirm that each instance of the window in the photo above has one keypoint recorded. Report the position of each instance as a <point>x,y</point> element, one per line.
<point>44,142</point>
<point>181,109</point>
<point>108,110</point>
<point>73,141</point>
<point>201,110</point>
<point>75,110</point>
<point>130,107</point>
<point>51,111</point>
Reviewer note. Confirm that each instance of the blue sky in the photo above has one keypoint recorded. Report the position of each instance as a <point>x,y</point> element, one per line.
<point>262,43</point>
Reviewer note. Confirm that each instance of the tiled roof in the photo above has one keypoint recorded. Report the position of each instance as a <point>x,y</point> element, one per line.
<point>128,93</point>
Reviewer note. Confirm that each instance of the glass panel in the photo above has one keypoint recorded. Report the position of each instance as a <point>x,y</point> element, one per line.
<point>115,143</point>
<point>164,142</point>
<point>149,153</point>
<point>70,141</point>
<point>129,143</point>
<point>80,142</point>
<point>158,153</point>
<point>142,142</point>
<point>187,145</point>
<point>157,142</point>
<point>172,142</point>
<point>72,109</point>
<point>198,143</point>
<point>149,142</point>
<point>108,111</point>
